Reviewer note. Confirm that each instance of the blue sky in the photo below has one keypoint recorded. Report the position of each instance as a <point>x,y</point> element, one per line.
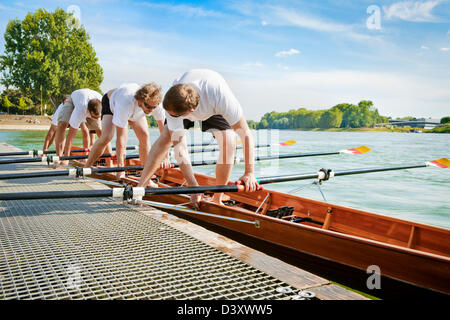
<point>276,55</point>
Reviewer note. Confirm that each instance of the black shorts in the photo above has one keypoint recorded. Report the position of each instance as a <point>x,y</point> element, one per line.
<point>105,106</point>
<point>216,122</point>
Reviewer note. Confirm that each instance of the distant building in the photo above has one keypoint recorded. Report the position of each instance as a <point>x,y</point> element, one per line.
<point>416,123</point>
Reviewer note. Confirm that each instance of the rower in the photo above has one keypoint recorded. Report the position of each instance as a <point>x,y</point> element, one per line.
<point>50,137</point>
<point>127,105</point>
<point>81,110</point>
<point>203,94</point>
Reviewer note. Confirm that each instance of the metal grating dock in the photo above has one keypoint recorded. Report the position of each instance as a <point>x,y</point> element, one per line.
<point>99,249</point>
<point>92,249</point>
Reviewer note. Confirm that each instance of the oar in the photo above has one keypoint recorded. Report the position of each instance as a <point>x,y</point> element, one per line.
<point>325,174</point>
<point>126,193</point>
<point>75,172</point>
<point>217,149</point>
<point>36,153</point>
<point>359,150</point>
<point>51,159</point>
<point>79,172</point>
<point>285,143</point>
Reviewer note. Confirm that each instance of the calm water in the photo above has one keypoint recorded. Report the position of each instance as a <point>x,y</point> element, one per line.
<point>421,195</point>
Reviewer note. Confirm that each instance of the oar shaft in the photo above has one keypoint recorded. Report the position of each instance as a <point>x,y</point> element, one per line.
<point>18,153</point>
<point>38,152</point>
<point>87,150</point>
<point>39,174</point>
<point>56,194</point>
<point>191,190</point>
<point>261,158</point>
<point>217,149</point>
<point>379,169</point>
<point>21,160</point>
<point>316,175</point>
<point>126,193</point>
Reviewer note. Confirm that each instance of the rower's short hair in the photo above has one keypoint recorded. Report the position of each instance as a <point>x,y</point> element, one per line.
<point>66,96</point>
<point>181,98</point>
<point>95,107</point>
<point>149,91</point>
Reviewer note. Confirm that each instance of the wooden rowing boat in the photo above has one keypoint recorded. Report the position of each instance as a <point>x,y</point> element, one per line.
<point>411,252</point>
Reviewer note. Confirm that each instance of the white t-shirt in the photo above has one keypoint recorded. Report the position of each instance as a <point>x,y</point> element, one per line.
<point>125,108</point>
<point>80,99</point>
<point>55,115</point>
<point>216,98</point>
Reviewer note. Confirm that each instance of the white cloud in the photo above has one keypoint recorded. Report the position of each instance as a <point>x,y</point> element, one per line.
<point>264,23</point>
<point>287,16</point>
<point>415,11</point>
<point>253,64</point>
<point>283,54</point>
<point>185,10</point>
<point>445,49</point>
<point>424,48</point>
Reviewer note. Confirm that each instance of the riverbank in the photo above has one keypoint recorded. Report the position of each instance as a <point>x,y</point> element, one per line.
<point>24,122</point>
<point>42,123</point>
<point>444,129</point>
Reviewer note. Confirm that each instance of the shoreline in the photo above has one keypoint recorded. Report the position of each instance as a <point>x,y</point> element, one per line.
<point>41,127</point>
<point>16,127</point>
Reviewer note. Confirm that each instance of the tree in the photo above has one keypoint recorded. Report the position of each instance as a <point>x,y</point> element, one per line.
<point>6,103</point>
<point>45,50</point>
<point>24,104</point>
<point>445,120</point>
<point>263,124</point>
<point>331,119</point>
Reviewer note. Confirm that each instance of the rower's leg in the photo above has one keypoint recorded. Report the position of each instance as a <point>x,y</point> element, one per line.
<point>85,133</point>
<point>226,139</point>
<point>60,137</point>
<point>103,142</point>
<point>140,128</point>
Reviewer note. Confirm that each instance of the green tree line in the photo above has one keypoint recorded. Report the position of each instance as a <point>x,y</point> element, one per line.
<point>15,102</point>
<point>344,115</point>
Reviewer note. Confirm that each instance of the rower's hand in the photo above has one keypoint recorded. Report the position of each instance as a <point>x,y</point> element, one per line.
<point>249,181</point>
<point>166,162</point>
<point>151,184</point>
<point>120,175</point>
<point>58,164</point>
<point>64,163</point>
<point>195,200</point>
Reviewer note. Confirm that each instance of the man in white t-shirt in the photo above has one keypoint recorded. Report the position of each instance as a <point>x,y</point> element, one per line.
<point>202,94</point>
<point>81,110</point>
<point>128,105</point>
<point>50,137</point>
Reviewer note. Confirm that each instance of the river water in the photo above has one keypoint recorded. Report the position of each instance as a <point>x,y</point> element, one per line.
<point>421,195</point>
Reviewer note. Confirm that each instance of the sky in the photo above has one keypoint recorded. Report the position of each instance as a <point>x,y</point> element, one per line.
<point>275,55</point>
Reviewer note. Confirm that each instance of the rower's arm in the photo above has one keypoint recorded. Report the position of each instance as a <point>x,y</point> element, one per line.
<point>242,129</point>
<point>121,143</point>
<point>69,140</point>
<point>160,125</point>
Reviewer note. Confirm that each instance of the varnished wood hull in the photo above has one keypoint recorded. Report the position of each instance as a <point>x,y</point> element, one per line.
<point>410,252</point>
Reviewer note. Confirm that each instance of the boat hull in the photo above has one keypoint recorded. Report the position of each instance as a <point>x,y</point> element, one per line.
<point>410,252</point>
